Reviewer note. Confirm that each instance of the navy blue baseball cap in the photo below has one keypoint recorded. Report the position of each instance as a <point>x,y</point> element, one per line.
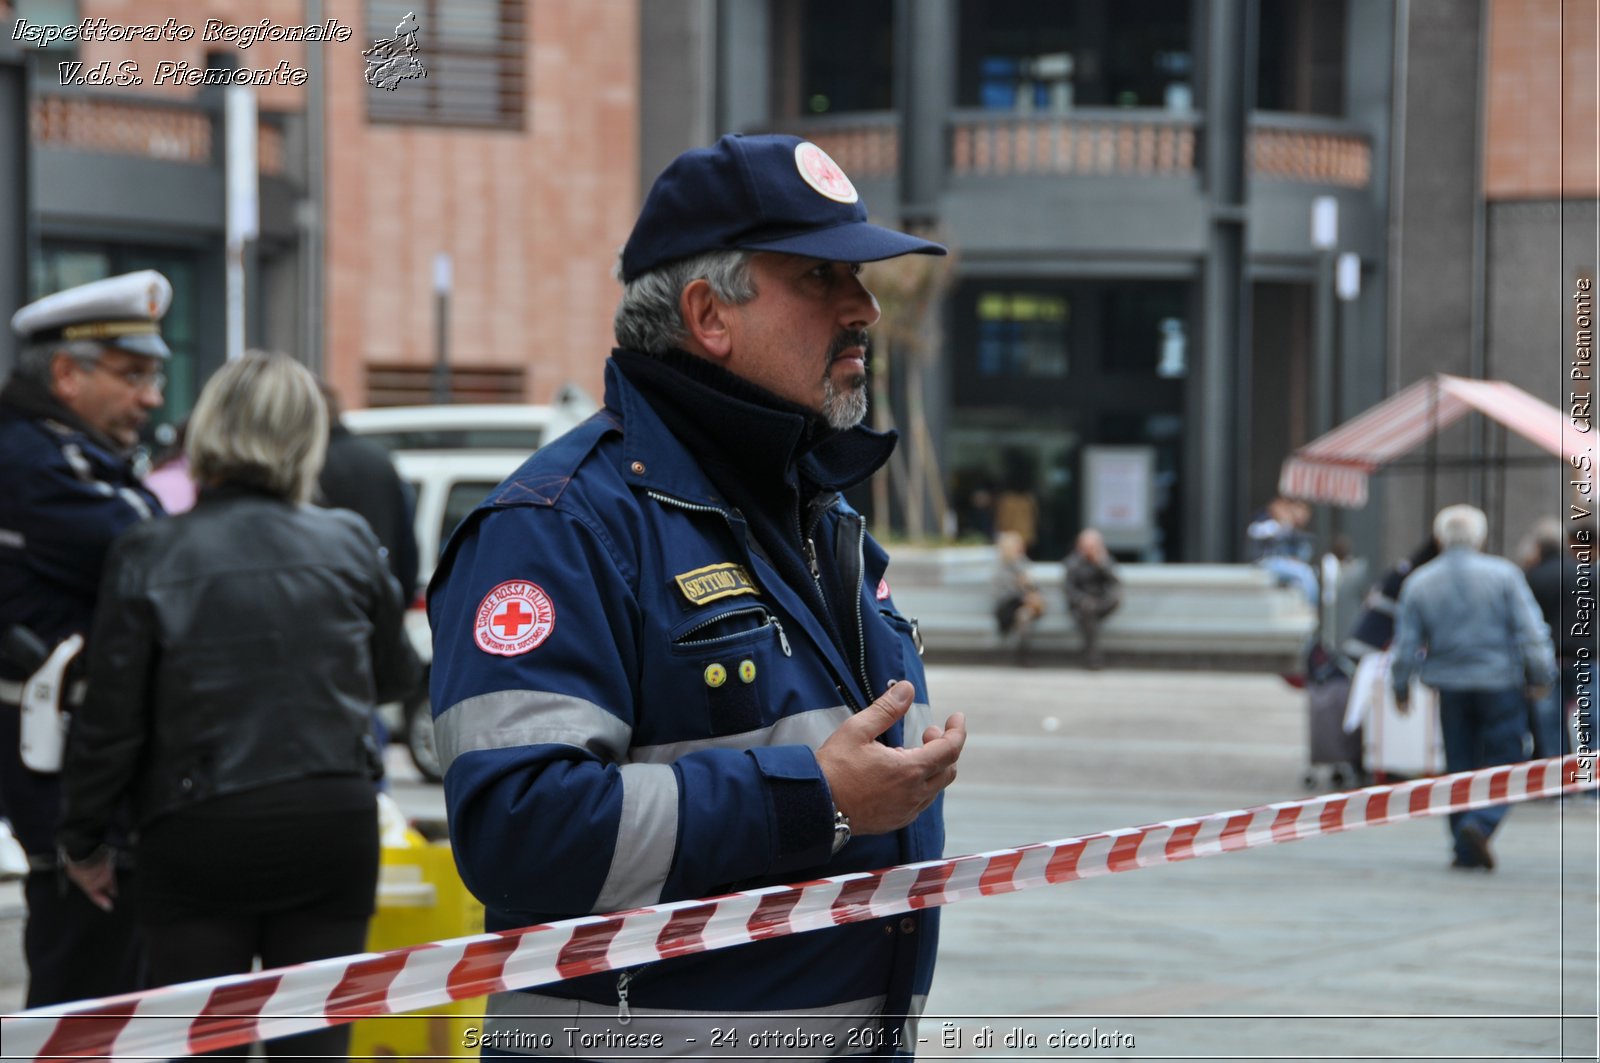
<point>759,193</point>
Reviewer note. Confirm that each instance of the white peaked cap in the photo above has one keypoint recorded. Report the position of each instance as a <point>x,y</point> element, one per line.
<point>122,312</point>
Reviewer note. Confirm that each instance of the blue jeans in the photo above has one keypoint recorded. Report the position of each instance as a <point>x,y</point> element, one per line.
<point>1549,723</point>
<point>1291,571</point>
<point>1481,728</point>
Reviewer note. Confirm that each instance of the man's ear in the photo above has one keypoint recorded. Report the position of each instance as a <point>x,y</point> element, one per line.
<point>705,317</point>
<point>65,376</point>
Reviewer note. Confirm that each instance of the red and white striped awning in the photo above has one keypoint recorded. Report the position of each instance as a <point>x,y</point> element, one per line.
<point>1334,468</point>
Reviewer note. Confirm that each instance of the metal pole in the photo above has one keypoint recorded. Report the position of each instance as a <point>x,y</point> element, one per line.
<point>441,346</point>
<point>1500,483</point>
<point>1322,372</point>
<point>243,222</point>
<point>1212,491</point>
<point>312,207</point>
<point>15,184</point>
<point>443,282</point>
<point>1429,506</point>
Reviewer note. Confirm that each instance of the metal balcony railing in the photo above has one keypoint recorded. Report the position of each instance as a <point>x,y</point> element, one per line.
<point>1084,141</point>
<point>1099,142</point>
<point>1295,147</point>
<point>133,125</point>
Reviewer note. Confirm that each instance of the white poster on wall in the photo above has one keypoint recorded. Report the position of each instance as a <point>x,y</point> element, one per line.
<point>1119,495</point>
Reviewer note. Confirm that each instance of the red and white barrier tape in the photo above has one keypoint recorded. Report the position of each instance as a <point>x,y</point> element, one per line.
<point>221,1012</point>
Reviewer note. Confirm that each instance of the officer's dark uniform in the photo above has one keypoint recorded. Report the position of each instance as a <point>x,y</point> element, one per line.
<point>66,492</point>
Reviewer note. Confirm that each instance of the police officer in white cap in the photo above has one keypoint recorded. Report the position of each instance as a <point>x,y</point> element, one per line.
<point>90,371</point>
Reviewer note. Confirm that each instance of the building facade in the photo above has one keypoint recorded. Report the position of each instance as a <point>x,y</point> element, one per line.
<point>1148,201</point>
<point>511,164</point>
<point>1128,186</point>
<point>1141,289</point>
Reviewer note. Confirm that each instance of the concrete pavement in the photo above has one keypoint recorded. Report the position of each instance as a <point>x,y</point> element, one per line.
<point>1362,945</point>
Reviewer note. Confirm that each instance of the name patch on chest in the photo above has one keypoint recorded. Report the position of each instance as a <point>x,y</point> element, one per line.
<point>714,582</point>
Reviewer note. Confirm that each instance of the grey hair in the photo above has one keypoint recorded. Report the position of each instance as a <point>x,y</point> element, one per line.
<point>1460,525</point>
<point>649,318</point>
<point>260,423</point>
<point>34,359</point>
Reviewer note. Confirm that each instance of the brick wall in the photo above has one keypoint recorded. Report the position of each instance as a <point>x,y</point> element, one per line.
<point>532,219</point>
<point>1541,105</point>
<point>261,55</point>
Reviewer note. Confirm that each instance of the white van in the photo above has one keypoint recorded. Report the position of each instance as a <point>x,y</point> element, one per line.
<point>452,457</point>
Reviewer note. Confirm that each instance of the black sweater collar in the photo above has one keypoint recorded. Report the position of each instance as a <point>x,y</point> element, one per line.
<point>741,432</point>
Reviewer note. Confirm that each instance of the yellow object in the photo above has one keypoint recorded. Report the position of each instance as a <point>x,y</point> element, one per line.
<point>420,898</point>
<point>716,675</point>
<point>747,670</point>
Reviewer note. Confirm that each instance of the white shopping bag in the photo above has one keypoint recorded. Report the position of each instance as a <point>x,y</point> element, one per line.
<point>1410,745</point>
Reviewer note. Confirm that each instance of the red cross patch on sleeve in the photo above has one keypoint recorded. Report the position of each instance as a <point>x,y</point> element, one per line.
<point>514,618</point>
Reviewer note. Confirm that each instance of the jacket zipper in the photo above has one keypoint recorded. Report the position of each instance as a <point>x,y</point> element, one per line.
<point>771,621</point>
<point>861,633</point>
<point>624,1012</point>
<point>692,506</point>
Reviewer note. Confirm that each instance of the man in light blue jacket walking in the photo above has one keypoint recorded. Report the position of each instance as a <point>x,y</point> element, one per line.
<point>1469,627</point>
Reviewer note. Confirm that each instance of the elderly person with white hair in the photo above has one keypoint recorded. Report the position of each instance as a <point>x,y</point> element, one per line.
<point>238,652</point>
<point>1469,627</point>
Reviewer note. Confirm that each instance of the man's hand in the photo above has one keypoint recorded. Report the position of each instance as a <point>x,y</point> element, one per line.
<point>879,788</point>
<point>96,876</point>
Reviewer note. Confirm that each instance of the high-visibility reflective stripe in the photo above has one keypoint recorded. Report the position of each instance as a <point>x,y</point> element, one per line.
<point>803,729</point>
<point>647,836</point>
<point>908,1032</point>
<point>534,1025</point>
<point>509,719</point>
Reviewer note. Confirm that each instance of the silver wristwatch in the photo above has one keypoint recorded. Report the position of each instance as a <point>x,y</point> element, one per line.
<point>841,830</point>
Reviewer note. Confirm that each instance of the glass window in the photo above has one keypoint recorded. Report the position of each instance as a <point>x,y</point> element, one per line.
<point>997,455</point>
<point>1022,334</point>
<point>462,500</point>
<point>1302,57</point>
<point>472,54</point>
<point>1145,330</point>
<point>1044,55</point>
<point>847,56</point>
<point>520,439</point>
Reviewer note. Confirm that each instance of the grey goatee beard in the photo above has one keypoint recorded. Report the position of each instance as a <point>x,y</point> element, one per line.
<point>844,408</point>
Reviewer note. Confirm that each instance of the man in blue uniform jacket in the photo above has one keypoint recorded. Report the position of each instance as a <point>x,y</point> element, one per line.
<point>667,661</point>
<point>88,374</point>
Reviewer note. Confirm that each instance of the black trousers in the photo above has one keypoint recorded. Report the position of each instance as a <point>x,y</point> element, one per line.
<point>212,945</point>
<point>287,873</point>
<point>74,950</point>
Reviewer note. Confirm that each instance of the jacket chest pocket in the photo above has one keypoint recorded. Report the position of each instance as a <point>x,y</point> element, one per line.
<point>732,657</point>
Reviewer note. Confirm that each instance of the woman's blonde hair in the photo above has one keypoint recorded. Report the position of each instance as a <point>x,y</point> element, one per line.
<point>260,423</point>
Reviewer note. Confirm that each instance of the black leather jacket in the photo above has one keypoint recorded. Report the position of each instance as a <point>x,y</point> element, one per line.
<point>241,644</point>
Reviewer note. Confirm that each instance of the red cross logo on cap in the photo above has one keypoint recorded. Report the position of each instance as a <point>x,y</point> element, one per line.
<point>823,174</point>
<point>513,618</point>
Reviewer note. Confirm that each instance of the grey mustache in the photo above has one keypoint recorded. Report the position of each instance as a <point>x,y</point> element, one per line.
<point>850,338</point>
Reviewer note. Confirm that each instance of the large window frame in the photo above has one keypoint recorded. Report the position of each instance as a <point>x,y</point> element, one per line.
<point>474,53</point>
<point>1121,384</point>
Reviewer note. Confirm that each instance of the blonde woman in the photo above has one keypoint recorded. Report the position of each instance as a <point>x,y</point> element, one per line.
<point>238,652</point>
